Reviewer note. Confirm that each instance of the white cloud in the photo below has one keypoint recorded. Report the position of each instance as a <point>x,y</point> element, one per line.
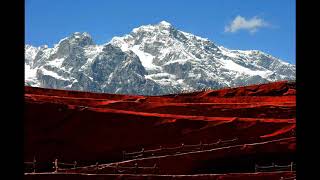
<point>251,25</point>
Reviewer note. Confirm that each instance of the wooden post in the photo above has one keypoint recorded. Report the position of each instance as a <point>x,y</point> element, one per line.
<point>142,152</point>
<point>75,164</point>
<point>255,168</point>
<point>123,155</point>
<point>97,167</point>
<point>136,168</point>
<point>159,152</point>
<point>155,168</point>
<point>56,165</point>
<point>291,166</point>
<point>34,164</point>
<point>219,141</point>
<point>201,145</point>
<point>116,169</point>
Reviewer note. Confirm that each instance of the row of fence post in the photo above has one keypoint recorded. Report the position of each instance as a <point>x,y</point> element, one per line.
<point>34,162</point>
<point>273,166</point>
<point>55,165</point>
<point>155,167</point>
<point>136,168</point>
<point>290,178</point>
<point>200,146</point>
<point>116,169</point>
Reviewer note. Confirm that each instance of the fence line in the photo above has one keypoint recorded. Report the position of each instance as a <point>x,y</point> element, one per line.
<point>134,155</point>
<point>114,168</point>
<point>33,164</point>
<point>117,168</point>
<point>273,167</point>
<point>155,169</point>
<point>55,164</point>
<point>288,178</point>
<point>200,146</point>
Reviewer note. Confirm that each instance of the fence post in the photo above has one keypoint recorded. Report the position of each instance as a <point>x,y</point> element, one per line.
<point>136,168</point>
<point>56,165</point>
<point>219,141</point>
<point>182,145</point>
<point>75,164</point>
<point>155,168</point>
<point>123,155</point>
<point>34,164</point>
<point>201,145</point>
<point>291,166</point>
<point>116,169</point>
<point>255,168</point>
<point>142,152</point>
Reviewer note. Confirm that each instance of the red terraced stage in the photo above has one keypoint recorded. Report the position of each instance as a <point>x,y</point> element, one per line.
<point>96,127</point>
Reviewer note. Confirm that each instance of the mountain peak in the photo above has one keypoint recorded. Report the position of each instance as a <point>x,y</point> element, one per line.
<point>162,25</point>
<point>81,39</point>
<point>79,34</point>
<point>165,23</point>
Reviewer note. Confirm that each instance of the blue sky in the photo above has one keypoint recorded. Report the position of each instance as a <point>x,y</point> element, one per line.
<point>266,25</point>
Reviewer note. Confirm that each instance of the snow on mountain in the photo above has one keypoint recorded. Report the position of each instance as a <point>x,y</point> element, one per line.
<point>151,60</point>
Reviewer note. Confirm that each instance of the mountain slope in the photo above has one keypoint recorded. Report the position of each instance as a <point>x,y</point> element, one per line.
<point>151,60</point>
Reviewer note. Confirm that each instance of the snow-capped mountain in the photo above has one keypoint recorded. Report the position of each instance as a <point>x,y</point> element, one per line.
<point>151,60</point>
